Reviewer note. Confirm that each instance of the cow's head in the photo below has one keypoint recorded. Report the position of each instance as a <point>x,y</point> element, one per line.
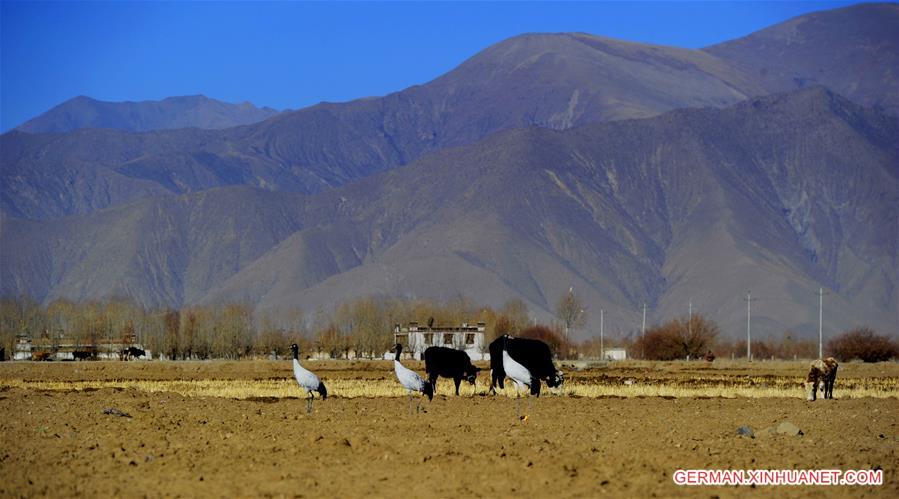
<point>555,380</point>
<point>811,388</point>
<point>471,373</point>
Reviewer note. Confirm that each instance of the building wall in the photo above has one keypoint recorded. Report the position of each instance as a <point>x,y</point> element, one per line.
<point>415,340</point>
<point>616,354</point>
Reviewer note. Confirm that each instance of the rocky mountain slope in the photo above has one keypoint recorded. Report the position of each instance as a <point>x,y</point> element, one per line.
<point>554,81</point>
<point>778,195</point>
<point>853,51</point>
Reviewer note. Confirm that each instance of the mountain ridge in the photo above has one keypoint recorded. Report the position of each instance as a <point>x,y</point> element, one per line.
<point>553,81</point>
<point>623,210</point>
<point>188,111</point>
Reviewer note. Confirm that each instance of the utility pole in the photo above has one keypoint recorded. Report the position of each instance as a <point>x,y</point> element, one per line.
<point>643,342</point>
<point>602,350</point>
<point>749,301</point>
<point>821,294</point>
<point>690,319</point>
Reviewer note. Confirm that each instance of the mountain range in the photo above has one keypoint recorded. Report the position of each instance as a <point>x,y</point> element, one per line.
<point>634,173</point>
<point>192,111</point>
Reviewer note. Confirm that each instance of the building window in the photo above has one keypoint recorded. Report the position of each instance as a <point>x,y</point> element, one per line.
<point>469,339</point>
<point>429,338</point>
<point>447,339</point>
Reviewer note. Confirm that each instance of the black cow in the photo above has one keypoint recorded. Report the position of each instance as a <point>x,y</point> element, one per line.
<point>82,355</point>
<point>133,353</point>
<point>449,363</point>
<point>532,354</point>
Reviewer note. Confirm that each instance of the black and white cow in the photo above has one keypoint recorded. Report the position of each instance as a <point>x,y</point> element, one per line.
<point>532,354</point>
<point>449,363</point>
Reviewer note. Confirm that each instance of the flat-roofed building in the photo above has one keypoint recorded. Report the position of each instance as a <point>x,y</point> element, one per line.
<point>417,338</point>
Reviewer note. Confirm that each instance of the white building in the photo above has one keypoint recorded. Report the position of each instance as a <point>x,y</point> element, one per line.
<point>615,354</point>
<point>416,339</point>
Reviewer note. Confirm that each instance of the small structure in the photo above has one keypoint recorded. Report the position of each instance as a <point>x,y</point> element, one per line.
<point>615,354</point>
<point>416,339</point>
<point>22,350</point>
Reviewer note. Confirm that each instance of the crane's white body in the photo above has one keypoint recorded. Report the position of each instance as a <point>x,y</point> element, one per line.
<point>408,378</point>
<point>515,371</point>
<point>305,378</point>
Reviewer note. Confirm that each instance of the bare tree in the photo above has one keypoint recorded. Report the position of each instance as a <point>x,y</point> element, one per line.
<point>172,334</point>
<point>570,311</point>
<point>518,315</point>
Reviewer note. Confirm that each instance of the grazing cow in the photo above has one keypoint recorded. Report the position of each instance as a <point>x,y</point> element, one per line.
<point>824,371</point>
<point>39,356</point>
<point>82,355</point>
<point>133,352</point>
<point>449,363</point>
<point>532,354</point>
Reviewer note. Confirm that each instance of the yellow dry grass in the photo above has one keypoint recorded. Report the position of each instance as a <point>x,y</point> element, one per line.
<point>353,388</point>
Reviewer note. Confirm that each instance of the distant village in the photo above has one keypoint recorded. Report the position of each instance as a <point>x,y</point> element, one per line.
<point>414,337</point>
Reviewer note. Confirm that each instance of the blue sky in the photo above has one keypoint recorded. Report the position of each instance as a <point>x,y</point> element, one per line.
<point>291,55</point>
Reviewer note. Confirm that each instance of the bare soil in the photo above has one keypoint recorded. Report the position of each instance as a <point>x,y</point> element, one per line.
<point>61,444</point>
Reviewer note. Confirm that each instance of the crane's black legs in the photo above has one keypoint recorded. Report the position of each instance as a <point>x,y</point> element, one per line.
<point>309,403</point>
<point>518,405</point>
<point>418,405</point>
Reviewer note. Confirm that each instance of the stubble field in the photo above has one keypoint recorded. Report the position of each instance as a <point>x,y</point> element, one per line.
<point>240,429</point>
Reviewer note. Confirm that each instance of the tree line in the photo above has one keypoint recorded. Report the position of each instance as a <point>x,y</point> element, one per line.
<point>362,328</point>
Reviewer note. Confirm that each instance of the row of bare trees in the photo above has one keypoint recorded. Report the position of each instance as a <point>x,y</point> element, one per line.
<point>362,328</point>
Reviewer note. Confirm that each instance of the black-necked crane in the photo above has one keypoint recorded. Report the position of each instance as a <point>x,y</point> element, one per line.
<point>520,376</point>
<point>410,380</point>
<point>307,379</point>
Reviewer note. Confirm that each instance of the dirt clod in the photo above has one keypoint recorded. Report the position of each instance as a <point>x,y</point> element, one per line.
<point>789,429</point>
<point>112,411</point>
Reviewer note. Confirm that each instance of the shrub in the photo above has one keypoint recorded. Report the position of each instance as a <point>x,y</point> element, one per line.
<point>678,339</point>
<point>864,344</point>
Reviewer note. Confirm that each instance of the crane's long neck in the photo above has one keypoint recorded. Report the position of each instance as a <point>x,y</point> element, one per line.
<point>397,357</point>
<point>296,355</point>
